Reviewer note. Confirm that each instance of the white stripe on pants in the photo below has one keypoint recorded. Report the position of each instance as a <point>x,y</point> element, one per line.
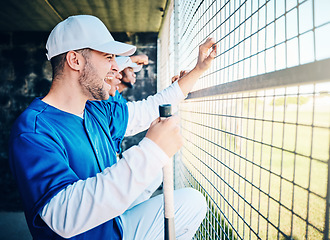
<point>146,220</point>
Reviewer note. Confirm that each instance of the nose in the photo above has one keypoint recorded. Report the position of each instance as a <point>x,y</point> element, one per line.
<point>114,66</point>
<point>120,76</point>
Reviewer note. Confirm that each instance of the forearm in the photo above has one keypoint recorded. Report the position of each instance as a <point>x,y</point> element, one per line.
<point>139,59</point>
<point>188,81</point>
<point>91,202</point>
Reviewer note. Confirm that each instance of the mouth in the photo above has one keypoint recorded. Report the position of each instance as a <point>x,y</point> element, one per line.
<point>108,78</point>
<point>107,81</point>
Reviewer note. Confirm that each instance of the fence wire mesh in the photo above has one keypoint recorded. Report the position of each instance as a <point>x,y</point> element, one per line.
<point>257,124</point>
<point>261,158</point>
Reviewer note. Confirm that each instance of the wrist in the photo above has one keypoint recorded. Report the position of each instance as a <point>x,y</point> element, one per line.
<point>197,70</point>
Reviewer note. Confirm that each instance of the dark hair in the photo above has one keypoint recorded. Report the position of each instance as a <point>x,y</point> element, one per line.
<point>58,61</point>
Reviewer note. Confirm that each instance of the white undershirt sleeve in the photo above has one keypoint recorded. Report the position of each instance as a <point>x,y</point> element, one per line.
<point>142,113</point>
<point>88,203</point>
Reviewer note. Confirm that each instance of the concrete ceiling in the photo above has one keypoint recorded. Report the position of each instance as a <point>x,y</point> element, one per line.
<point>118,15</point>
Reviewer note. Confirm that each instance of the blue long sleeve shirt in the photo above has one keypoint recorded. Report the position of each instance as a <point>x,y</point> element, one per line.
<point>75,149</point>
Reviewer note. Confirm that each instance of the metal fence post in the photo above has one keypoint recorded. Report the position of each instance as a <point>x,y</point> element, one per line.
<point>327,216</point>
<point>176,158</point>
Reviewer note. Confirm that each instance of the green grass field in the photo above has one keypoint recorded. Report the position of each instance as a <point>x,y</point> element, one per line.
<point>270,166</point>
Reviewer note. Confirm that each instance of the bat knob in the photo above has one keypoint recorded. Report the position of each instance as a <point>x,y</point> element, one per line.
<point>165,110</point>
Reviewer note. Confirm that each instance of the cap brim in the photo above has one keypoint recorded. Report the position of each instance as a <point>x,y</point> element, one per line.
<point>117,48</point>
<point>136,67</point>
<point>123,62</point>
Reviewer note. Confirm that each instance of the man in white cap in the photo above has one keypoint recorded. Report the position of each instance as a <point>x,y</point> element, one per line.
<point>118,79</point>
<point>128,68</point>
<point>62,152</point>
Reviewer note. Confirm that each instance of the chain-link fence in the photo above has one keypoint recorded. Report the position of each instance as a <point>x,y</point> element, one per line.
<point>257,124</point>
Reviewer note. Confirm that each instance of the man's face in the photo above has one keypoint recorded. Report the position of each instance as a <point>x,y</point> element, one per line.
<point>113,78</point>
<point>94,75</point>
<point>129,75</point>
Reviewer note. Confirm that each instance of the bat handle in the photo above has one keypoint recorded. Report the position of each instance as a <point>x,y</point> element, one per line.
<point>168,186</point>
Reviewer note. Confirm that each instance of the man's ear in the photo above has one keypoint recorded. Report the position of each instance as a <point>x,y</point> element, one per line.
<point>75,60</point>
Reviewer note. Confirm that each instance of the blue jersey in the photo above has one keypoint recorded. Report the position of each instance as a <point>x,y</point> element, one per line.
<point>51,149</point>
<point>118,98</point>
<point>117,136</point>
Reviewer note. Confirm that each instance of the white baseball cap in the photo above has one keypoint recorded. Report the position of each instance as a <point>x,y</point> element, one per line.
<point>84,31</point>
<point>124,62</point>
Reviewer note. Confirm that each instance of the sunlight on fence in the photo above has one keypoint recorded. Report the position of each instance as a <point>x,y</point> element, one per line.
<point>262,159</point>
<point>257,124</point>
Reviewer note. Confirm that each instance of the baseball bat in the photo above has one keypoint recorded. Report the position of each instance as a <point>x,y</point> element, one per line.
<point>168,187</point>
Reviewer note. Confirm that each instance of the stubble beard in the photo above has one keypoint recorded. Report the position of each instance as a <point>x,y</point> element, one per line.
<point>90,83</point>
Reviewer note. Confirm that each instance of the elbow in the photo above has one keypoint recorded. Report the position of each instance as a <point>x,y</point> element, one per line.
<point>62,230</point>
<point>57,223</point>
<point>67,235</point>
<point>64,234</point>
<point>65,231</point>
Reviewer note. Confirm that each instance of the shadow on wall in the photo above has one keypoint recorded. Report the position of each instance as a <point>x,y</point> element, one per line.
<point>25,74</point>
<point>13,226</point>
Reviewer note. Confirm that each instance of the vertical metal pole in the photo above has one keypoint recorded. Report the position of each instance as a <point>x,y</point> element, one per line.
<point>176,157</point>
<point>158,63</point>
<point>327,214</point>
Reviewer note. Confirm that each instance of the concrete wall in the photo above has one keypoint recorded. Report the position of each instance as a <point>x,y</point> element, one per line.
<point>25,74</point>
